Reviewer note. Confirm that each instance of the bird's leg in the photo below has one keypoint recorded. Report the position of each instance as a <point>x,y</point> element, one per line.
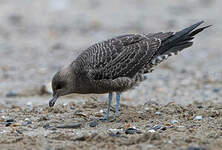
<point>108,108</point>
<point>117,104</point>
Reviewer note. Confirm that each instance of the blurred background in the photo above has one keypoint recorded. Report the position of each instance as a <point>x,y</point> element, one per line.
<point>37,37</point>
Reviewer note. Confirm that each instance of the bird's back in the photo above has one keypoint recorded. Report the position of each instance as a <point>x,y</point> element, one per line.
<point>104,53</point>
<point>124,59</point>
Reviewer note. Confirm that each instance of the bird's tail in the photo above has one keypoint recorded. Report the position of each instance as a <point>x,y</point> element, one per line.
<point>174,44</point>
<point>180,40</point>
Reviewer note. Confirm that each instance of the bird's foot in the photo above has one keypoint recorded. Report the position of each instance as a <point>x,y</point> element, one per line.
<point>104,119</point>
<point>109,119</point>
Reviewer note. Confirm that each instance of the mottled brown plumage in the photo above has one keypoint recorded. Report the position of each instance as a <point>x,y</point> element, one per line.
<point>118,64</point>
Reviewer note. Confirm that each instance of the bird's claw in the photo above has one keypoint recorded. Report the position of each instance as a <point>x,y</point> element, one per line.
<point>108,119</point>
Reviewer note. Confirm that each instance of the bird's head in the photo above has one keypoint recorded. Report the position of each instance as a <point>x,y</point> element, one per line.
<point>63,83</point>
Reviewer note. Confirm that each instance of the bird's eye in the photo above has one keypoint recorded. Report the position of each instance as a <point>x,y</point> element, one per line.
<point>60,85</point>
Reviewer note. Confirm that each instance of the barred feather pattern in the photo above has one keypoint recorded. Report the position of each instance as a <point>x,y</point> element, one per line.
<point>120,63</point>
<point>115,64</point>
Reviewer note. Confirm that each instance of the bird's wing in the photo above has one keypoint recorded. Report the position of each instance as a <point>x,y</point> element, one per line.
<point>136,52</point>
<point>120,56</point>
<point>132,59</point>
<point>100,54</point>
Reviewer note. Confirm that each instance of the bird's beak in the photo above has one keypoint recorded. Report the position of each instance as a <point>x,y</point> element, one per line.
<point>53,101</point>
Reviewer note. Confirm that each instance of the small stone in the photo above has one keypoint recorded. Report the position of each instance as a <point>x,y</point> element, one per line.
<point>16,124</point>
<point>174,121</point>
<point>11,94</point>
<point>181,128</point>
<point>29,104</point>
<point>57,46</point>
<point>157,127</point>
<point>46,126</point>
<point>132,131</point>
<point>15,19</point>
<point>81,114</point>
<point>195,148</point>
<point>70,126</point>
<point>140,112</point>
<point>28,122</point>
<point>163,128</point>
<point>53,128</point>
<point>8,124</point>
<point>147,109</point>
<point>198,118</point>
<point>199,107</point>
<point>10,120</point>
<point>19,131</point>
<point>151,130</point>
<point>115,132</point>
<point>158,113</point>
<point>216,90</point>
<point>101,111</point>
<point>26,119</point>
<point>93,124</point>
<point>127,125</point>
<point>115,135</point>
<point>2,131</point>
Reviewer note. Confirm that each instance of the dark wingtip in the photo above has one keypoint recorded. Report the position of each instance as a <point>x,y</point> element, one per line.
<point>200,22</point>
<point>208,26</point>
<point>199,30</point>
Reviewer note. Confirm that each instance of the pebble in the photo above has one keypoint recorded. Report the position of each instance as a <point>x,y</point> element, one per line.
<point>15,19</point>
<point>146,109</point>
<point>157,127</point>
<point>199,107</point>
<point>195,148</point>
<point>29,104</point>
<point>181,128</point>
<point>47,126</point>
<point>162,127</point>
<point>70,126</point>
<point>151,130</point>
<point>19,131</point>
<point>16,124</point>
<point>158,113</point>
<point>198,118</point>
<point>28,122</point>
<point>8,124</point>
<point>216,90</point>
<point>115,135</point>
<point>93,124</point>
<point>115,132</point>
<point>10,120</point>
<point>101,111</point>
<point>11,94</point>
<point>174,121</point>
<point>132,131</point>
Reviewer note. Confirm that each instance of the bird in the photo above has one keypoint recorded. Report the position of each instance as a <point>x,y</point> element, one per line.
<point>120,63</point>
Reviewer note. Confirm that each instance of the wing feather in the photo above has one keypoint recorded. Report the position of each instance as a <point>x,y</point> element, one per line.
<point>122,56</point>
<point>132,58</point>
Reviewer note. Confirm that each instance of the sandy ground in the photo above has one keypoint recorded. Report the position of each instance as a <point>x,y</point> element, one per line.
<point>39,37</point>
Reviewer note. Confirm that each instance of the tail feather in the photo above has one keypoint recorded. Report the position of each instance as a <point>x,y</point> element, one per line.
<point>180,39</point>
<point>173,44</point>
<point>198,30</point>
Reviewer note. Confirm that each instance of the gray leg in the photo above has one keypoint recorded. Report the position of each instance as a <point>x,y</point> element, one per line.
<point>109,105</point>
<point>117,104</point>
<point>108,108</point>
